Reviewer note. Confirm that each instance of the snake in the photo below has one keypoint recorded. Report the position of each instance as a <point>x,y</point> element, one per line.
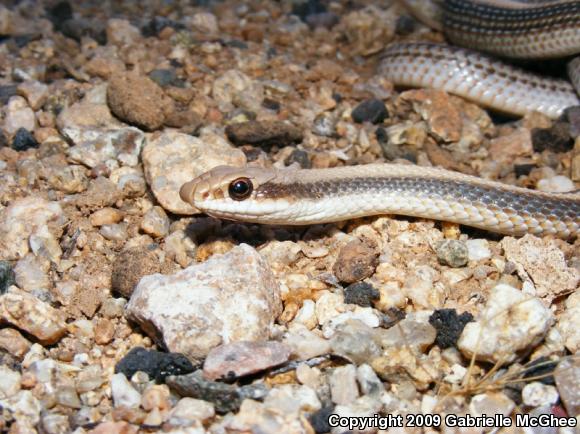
<point>312,196</point>
<point>500,27</point>
<point>484,29</point>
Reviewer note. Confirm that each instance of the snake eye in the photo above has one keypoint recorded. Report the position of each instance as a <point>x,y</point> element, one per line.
<point>240,188</point>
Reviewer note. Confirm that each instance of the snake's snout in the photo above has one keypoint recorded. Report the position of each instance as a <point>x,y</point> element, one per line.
<point>195,190</point>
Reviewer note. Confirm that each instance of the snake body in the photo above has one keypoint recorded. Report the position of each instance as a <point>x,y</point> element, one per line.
<point>505,28</point>
<point>299,197</point>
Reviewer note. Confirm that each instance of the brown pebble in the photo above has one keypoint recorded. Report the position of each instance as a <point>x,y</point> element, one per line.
<point>13,342</point>
<point>263,133</point>
<point>243,358</point>
<point>104,331</point>
<point>130,266</point>
<point>138,100</point>
<point>356,261</point>
<point>105,216</point>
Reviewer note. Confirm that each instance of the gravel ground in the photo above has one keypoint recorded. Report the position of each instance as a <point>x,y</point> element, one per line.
<point>124,310</point>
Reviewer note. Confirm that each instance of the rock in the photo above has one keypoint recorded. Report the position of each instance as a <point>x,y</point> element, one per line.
<point>33,316</point>
<point>156,364</point>
<point>28,222</point>
<point>356,342</point>
<point>478,250</point>
<point>412,332</point>
<point>225,397</point>
<point>556,184</point>
<point>356,261</point>
<point>6,92</point>
<point>319,420</point>
<point>452,252</point>
<point>567,376</point>
<point>164,77</point>
<point>12,341</point>
<point>419,287</point>
<point>190,157</point>
<point>361,293</point>
<point>68,179</point>
<point>364,408</point>
<point>31,274</point>
<point>239,359</point>
<point>188,411</point>
<point>569,323</point>
<point>541,265</point>
<point>575,165</point>
<point>123,393</point>
<point>306,344</point>
<point>18,115</point>
<point>130,266</point>
<point>96,135</point>
<point>105,216</point>
<point>449,326</point>
<point>155,222</point>
<point>536,394</point>
<point>506,148</point>
<point>263,133</point>
<point>23,140</point>
<point>204,22</point>
<point>234,87</point>
<point>138,100</point>
<point>510,325</point>
<point>6,276</point>
<point>35,93</point>
<point>371,110</point>
<point>369,383</point>
<point>229,298</point>
<point>23,406</point>
<point>9,382</point>
<point>491,403</point>
<point>301,157</point>
<point>556,138</point>
<point>325,125</point>
<point>121,32</point>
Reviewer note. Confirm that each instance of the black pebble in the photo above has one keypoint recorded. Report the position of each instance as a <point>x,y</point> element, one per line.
<point>6,276</point>
<point>156,364</point>
<point>556,138</point>
<point>541,369</point>
<point>23,140</point>
<point>449,326</point>
<point>299,156</point>
<point>157,24</point>
<point>271,104</point>
<point>307,8</point>
<point>523,169</point>
<point>166,77</point>
<point>7,91</point>
<point>371,110</point>
<point>319,420</point>
<point>405,25</point>
<point>361,293</point>
<point>60,13</point>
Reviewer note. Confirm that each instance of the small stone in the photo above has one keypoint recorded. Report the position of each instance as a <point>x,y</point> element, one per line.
<point>114,232</point>
<point>24,407</point>
<point>225,397</point>
<point>9,382</point>
<point>90,378</point>
<point>105,216</point>
<point>306,344</point>
<point>567,376</point>
<point>14,343</point>
<point>18,115</point>
<point>156,364</point>
<point>516,144</point>
<point>31,274</point>
<point>319,420</point>
<point>371,110</point>
<point>28,313</point>
<point>263,133</point>
<point>449,326</point>
<point>68,179</point>
<point>23,140</point>
<point>478,250</point>
<point>239,359</point>
<point>556,184</point>
<point>452,252</point>
<point>6,276</point>
<point>301,157</point>
<point>228,298</point>
<point>189,410</point>
<point>164,77</point>
<point>138,101</point>
<point>370,384</point>
<point>35,93</point>
<point>361,293</point>
<point>121,32</point>
<point>104,331</point>
<point>235,87</point>
<point>356,342</point>
<point>491,403</point>
<point>6,92</point>
<point>123,393</point>
<point>54,423</point>
<point>356,261</point>
<point>130,266</point>
<point>571,115</point>
<point>411,332</point>
<point>155,222</point>
<point>343,387</point>
<point>536,394</point>
<point>324,125</point>
<point>510,324</point>
<point>569,323</point>
<point>556,138</point>
<point>190,157</point>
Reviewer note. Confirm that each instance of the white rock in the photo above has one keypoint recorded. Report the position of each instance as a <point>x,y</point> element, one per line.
<point>155,222</point>
<point>189,410</point>
<point>228,298</point>
<point>343,387</point>
<point>9,382</point>
<point>306,344</point>
<point>18,115</point>
<point>23,406</point>
<point>478,249</point>
<point>536,394</point>
<point>307,314</point>
<point>123,393</point>
<point>491,403</point>
<point>189,157</point>
<point>368,380</point>
<point>292,398</point>
<point>35,92</point>
<point>366,315</point>
<point>556,184</point>
<point>569,323</point>
<point>235,87</point>
<point>121,32</point>
<point>363,407</point>
<point>30,273</point>
<point>328,306</point>
<point>510,323</point>
<point>25,218</point>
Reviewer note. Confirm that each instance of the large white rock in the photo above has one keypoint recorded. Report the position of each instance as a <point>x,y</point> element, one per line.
<point>510,325</point>
<point>229,298</point>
